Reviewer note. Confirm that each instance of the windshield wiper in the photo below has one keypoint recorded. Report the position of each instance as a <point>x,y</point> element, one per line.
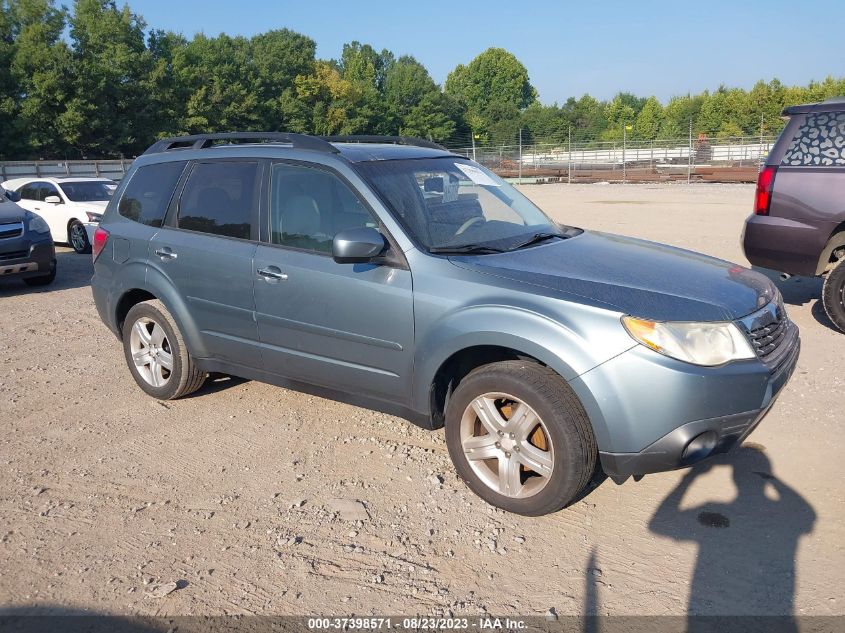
<point>466,249</point>
<point>536,239</point>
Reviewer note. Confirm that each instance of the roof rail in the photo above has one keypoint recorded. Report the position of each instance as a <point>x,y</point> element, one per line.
<point>372,138</point>
<point>834,104</point>
<point>201,141</point>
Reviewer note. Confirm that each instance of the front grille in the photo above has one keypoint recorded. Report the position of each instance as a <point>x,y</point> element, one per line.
<point>767,339</point>
<point>14,229</point>
<point>772,335</point>
<point>5,257</point>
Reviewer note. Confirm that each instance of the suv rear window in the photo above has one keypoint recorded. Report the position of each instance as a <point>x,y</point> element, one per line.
<point>219,198</point>
<point>819,141</point>
<point>148,193</point>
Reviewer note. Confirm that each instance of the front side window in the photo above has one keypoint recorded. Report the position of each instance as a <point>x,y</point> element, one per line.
<point>452,203</point>
<point>149,191</point>
<point>96,191</point>
<point>820,140</point>
<point>46,189</point>
<point>309,206</point>
<point>30,191</point>
<point>219,198</point>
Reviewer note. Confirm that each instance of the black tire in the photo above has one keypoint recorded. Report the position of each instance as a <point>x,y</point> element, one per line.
<point>43,280</point>
<point>833,295</point>
<point>184,377</point>
<point>77,237</point>
<point>566,422</point>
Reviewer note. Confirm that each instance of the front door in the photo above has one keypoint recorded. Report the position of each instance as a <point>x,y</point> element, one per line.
<point>343,326</point>
<point>206,250</point>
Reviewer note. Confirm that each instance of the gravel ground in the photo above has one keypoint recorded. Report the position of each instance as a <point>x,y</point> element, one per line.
<point>255,499</point>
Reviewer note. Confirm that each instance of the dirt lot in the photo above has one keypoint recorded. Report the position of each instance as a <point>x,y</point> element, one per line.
<point>106,494</point>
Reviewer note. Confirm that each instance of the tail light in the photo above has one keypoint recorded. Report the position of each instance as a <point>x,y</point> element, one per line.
<point>101,236</point>
<point>763,195</point>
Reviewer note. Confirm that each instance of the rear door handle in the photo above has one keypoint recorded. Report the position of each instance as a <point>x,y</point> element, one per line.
<point>166,253</point>
<point>272,275</point>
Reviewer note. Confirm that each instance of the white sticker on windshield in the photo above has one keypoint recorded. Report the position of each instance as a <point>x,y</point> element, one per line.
<point>450,189</point>
<point>477,176</point>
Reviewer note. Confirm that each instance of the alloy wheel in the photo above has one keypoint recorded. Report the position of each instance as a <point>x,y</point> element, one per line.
<point>507,445</point>
<point>151,352</point>
<point>78,237</point>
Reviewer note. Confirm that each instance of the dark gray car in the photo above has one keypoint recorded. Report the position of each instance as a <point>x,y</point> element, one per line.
<point>398,276</point>
<point>798,224</point>
<point>26,248</point>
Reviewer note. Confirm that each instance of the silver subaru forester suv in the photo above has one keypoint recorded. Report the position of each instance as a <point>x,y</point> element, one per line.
<point>393,274</point>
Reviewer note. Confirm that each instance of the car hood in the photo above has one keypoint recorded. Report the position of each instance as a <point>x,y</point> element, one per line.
<point>641,278</point>
<point>10,212</point>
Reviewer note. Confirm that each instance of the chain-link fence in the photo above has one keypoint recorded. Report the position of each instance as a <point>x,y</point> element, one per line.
<point>735,159</point>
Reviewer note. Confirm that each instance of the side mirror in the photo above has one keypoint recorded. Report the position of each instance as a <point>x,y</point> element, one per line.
<point>53,200</point>
<point>354,246</point>
<point>14,196</point>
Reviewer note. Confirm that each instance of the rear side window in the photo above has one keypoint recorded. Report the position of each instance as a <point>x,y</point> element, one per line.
<point>30,191</point>
<point>148,193</point>
<point>219,198</point>
<point>820,141</point>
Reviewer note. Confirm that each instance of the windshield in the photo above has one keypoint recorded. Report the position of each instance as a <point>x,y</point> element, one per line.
<point>92,191</point>
<point>452,203</point>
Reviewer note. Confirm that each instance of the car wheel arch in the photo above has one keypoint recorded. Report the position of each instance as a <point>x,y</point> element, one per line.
<point>174,304</point>
<point>834,243</point>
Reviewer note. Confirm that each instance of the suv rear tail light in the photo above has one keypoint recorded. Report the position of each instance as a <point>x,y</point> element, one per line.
<point>101,236</point>
<point>763,195</point>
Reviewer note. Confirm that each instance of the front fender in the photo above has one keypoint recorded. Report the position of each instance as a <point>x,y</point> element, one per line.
<point>572,343</point>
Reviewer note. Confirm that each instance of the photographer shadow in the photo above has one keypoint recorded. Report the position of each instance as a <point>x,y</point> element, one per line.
<point>746,548</point>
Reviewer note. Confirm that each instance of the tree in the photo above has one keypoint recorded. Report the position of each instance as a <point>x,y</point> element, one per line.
<point>648,121</point>
<point>489,84</point>
<point>39,71</point>
<point>110,113</point>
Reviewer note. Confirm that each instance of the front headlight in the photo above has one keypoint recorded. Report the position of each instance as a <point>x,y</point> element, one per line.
<point>38,225</point>
<point>705,344</point>
<point>94,217</point>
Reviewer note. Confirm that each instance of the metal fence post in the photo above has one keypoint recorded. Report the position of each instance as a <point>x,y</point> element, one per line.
<point>689,156</point>
<point>624,143</point>
<point>569,162</point>
<point>520,156</point>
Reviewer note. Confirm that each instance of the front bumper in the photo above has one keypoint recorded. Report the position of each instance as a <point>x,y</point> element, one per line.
<point>640,432</point>
<point>26,256</point>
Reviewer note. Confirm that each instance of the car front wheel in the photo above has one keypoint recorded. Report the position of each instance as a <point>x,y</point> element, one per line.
<point>519,437</point>
<point>833,295</point>
<point>156,353</point>
<point>77,237</point>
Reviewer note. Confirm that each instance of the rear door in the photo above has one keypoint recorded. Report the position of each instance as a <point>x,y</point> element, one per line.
<point>343,326</point>
<point>206,249</point>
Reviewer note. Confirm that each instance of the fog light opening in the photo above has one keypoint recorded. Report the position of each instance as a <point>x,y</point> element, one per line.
<point>699,447</point>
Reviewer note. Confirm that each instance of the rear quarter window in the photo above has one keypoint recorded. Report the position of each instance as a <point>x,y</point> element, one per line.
<point>819,141</point>
<point>149,191</point>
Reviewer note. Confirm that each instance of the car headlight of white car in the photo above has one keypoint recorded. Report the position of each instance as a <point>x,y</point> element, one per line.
<point>94,217</point>
<point>37,224</point>
<point>706,344</point>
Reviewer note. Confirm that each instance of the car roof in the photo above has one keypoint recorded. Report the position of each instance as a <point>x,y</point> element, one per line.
<point>835,104</point>
<point>17,182</point>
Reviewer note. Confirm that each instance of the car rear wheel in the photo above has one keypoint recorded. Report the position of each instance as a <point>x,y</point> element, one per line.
<point>77,237</point>
<point>520,438</point>
<point>833,295</point>
<point>156,353</point>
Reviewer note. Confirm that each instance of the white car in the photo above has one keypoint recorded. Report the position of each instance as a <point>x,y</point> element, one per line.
<point>72,207</point>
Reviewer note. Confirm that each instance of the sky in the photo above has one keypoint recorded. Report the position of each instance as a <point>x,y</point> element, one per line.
<point>664,48</point>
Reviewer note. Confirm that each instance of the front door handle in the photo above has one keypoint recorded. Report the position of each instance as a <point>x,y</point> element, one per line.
<point>166,253</point>
<point>272,275</point>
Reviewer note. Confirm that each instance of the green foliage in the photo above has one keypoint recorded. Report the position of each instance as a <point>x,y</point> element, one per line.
<point>93,81</point>
<point>491,85</point>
